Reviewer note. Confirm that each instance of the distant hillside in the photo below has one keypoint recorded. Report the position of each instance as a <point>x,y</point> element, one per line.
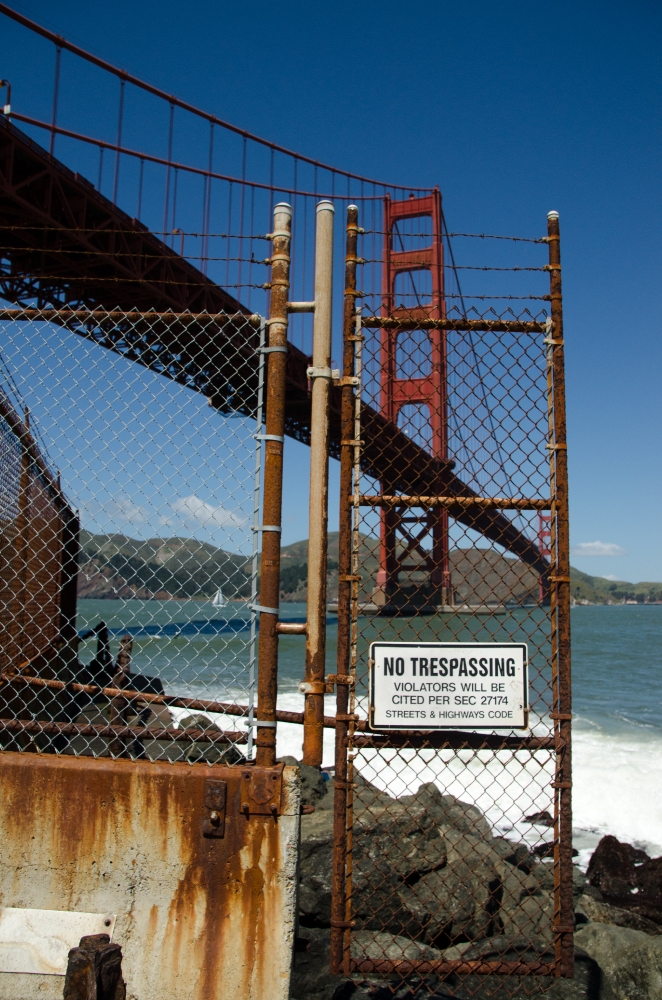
<point>116,566</point>
<point>587,589</point>
<point>477,575</point>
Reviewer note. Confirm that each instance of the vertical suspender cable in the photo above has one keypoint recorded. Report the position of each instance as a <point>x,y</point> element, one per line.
<point>119,141</point>
<point>167,186</point>
<point>56,94</point>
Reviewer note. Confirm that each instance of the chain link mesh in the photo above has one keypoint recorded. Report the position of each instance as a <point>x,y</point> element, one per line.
<point>453,869</point>
<point>128,532</point>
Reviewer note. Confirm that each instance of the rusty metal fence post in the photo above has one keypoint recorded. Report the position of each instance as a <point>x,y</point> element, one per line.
<point>267,679</point>
<point>345,579</point>
<point>320,375</point>
<point>560,611</point>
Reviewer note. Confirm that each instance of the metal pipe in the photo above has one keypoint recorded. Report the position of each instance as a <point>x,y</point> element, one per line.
<point>466,503</point>
<point>144,698</point>
<point>267,672</point>
<point>338,881</point>
<point>560,610</point>
<point>313,713</point>
<point>93,730</point>
<point>301,307</point>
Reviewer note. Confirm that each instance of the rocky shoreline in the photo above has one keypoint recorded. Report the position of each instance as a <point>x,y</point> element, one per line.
<point>431,882</point>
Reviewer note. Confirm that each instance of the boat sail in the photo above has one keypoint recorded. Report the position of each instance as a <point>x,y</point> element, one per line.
<point>218,600</point>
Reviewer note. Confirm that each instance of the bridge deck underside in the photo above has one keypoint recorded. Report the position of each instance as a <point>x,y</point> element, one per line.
<point>64,244</point>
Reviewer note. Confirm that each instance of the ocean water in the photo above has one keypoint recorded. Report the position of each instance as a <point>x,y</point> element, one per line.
<point>617,707</point>
<point>617,703</point>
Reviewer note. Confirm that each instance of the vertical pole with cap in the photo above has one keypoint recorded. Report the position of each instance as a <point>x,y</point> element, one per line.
<point>320,374</point>
<point>560,611</point>
<point>267,670</point>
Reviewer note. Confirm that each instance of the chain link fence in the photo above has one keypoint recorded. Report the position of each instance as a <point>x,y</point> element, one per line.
<point>129,514</point>
<point>456,836</point>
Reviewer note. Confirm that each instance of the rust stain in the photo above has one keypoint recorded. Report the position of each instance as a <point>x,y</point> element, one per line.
<point>197,917</point>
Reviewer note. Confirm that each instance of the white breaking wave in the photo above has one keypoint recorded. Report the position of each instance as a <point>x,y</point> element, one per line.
<point>616,779</point>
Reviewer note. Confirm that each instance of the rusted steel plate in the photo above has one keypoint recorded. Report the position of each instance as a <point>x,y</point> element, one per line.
<point>198,917</point>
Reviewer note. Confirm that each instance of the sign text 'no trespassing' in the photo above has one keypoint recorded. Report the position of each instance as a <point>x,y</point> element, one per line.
<point>448,685</point>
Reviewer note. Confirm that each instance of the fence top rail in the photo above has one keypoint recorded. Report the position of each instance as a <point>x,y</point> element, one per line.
<point>485,503</point>
<point>31,314</point>
<point>479,325</point>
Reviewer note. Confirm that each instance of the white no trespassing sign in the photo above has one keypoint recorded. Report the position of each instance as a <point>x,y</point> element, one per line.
<point>448,685</point>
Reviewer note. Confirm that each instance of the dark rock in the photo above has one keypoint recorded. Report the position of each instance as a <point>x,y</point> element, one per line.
<point>209,753</point>
<point>546,850</point>
<point>612,867</point>
<point>595,911</point>
<point>403,840</point>
<point>579,882</point>
<point>315,870</point>
<point>393,846</point>
<point>627,878</point>
<point>310,967</point>
<point>367,795</point>
<point>648,881</point>
<point>540,819</point>
<point>313,784</point>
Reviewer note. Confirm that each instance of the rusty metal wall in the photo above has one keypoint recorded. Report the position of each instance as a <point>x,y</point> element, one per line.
<point>198,917</point>
<point>33,515</point>
<point>452,847</point>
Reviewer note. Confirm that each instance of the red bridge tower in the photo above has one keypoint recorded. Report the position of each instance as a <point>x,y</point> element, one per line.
<point>404,382</point>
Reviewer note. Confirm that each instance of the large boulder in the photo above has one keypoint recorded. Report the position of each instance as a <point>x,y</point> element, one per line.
<point>630,961</point>
<point>393,846</point>
<point>378,945</point>
<point>427,868</point>
<point>448,811</point>
<point>457,903</point>
<point>526,909</point>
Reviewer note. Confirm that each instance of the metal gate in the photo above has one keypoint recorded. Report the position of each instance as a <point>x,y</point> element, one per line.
<point>452,845</point>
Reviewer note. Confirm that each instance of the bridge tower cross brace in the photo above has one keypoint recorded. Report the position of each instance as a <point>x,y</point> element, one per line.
<point>402,530</point>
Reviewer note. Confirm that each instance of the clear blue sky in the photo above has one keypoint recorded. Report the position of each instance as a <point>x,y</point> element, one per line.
<point>513,108</point>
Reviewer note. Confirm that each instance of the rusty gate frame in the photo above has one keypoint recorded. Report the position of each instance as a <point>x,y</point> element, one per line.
<point>348,727</point>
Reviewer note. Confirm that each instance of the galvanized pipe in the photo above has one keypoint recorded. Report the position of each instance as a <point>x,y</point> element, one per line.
<point>267,670</point>
<point>320,374</point>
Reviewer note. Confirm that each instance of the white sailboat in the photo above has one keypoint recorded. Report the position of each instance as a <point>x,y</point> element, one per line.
<point>218,601</point>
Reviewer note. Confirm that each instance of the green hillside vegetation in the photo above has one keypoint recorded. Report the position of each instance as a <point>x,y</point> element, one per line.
<point>117,566</point>
<point>598,590</point>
